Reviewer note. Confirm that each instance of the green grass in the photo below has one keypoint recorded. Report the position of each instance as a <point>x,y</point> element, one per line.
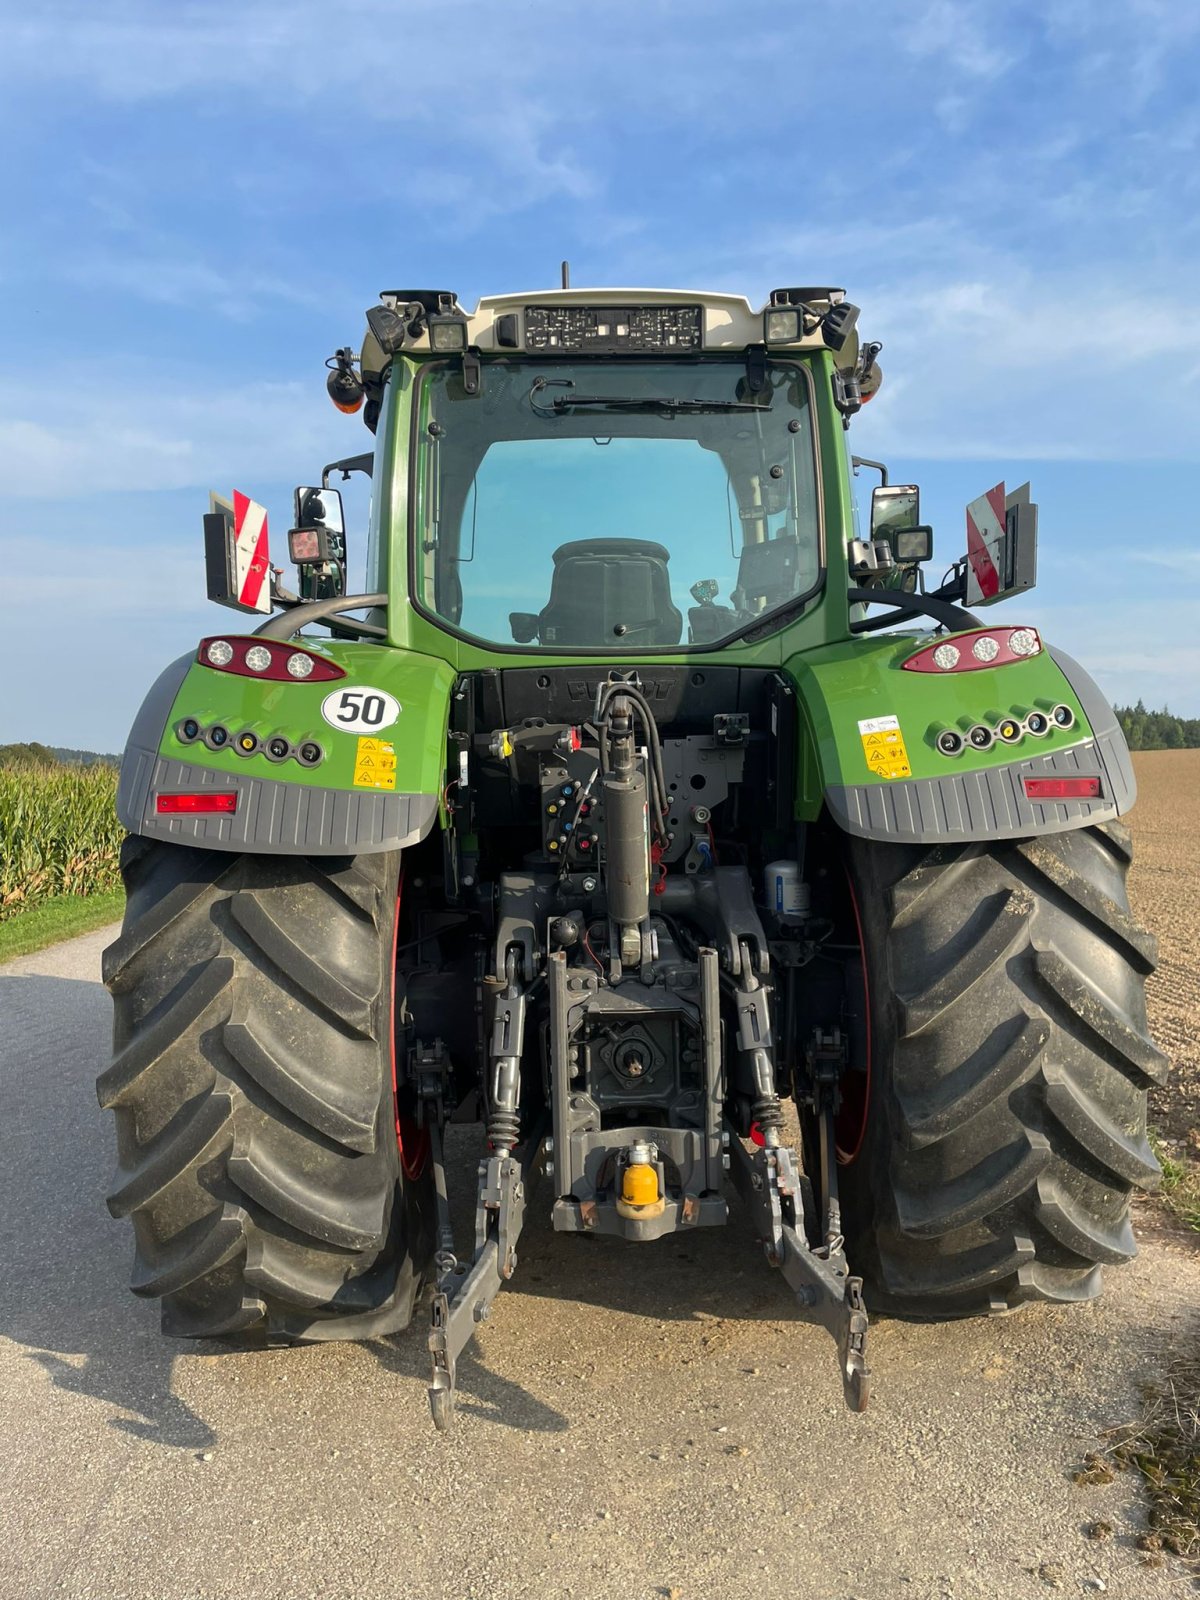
<point>62,916</point>
<point>1180,1191</point>
<point>1164,1446</point>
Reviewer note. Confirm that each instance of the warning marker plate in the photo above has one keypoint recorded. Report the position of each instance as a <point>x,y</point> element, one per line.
<point>883,747</point>
<point>375,764</point>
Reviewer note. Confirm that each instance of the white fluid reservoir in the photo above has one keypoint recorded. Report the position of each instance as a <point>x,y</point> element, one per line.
<point>786,892</point>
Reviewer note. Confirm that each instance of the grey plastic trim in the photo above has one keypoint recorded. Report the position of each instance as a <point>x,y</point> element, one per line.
<point>151,719</point>
<point>272,818</point>
<point>1122,785</point>
<point>988,804</point>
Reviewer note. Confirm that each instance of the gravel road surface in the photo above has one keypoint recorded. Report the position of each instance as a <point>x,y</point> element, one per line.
<point>633,1423</point>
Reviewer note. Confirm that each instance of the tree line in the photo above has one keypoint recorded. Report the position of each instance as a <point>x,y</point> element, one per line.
<point>42,755</point>
<point>1158,730</point>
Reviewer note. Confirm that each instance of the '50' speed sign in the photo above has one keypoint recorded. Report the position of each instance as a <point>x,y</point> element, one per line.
<point>360,710</point>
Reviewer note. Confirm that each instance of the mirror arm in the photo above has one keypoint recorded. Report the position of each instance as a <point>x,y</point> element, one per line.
<point>296,617</point>
<point>865,461</point>
<point>346,466</point>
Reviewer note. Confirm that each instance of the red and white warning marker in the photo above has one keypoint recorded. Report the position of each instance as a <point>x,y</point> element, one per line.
<point>252,553</point>
<point>986,540</point>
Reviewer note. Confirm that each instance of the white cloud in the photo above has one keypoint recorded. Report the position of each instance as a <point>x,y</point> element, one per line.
<point>963,36</point>
<point>132,432</point>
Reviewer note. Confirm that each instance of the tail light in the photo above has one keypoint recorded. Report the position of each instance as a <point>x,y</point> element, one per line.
<point>267,658</point>
<point>970,652</point>
<point>193,805</point>
<point>1062,788</point>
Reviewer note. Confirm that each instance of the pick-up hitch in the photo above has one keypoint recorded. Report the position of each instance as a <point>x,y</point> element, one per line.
<point>464,1295</point>
<point>770,1184</point>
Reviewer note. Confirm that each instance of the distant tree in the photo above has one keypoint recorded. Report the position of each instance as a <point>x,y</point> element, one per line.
<point>1158,730</point>
<point>26,755</point>
<point>84,758</point>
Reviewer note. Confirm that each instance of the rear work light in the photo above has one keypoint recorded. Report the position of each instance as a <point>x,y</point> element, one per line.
<point>969,652</point>
<point>267,658</point>
<point>192,805</point>
<point>1062,788</point>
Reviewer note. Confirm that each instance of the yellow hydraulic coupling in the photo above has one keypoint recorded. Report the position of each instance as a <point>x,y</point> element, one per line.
<point>640,1195</point>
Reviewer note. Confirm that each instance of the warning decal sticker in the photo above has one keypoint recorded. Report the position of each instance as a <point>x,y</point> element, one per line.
<point>883,747</point>
<point>375,764</point>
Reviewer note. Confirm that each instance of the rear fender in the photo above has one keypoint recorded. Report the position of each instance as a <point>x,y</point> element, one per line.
<point>370,791</point>
<point>868,751</point>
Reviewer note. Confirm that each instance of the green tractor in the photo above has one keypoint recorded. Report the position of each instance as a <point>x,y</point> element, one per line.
<point>617,813</point>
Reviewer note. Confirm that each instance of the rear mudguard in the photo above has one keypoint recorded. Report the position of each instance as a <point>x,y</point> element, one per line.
<point>369,791</point>
<point>868,751</point>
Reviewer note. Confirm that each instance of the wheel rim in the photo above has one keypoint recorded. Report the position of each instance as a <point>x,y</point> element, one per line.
<point>412,1141</point>
<point>850,1124</point>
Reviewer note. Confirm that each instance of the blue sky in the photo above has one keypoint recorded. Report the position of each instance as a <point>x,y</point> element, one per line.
<point>200,199</point>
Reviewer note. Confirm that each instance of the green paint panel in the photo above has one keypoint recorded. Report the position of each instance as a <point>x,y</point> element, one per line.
<point>840,679</point>
<point>842,684</point>
<point>422,685</point>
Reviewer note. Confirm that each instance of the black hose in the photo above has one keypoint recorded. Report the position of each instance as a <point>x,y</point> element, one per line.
<point>658,776</point>
<point>295,618</point>
<point>913,605</point>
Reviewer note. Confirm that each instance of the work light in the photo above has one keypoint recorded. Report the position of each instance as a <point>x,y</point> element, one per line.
<point>781,325</point>
<point>448,333</point>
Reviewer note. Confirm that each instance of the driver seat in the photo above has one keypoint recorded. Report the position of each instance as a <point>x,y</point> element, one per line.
<point>601,586</point>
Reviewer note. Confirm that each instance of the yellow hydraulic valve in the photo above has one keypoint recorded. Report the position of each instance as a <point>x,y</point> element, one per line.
<point>640,1195</point>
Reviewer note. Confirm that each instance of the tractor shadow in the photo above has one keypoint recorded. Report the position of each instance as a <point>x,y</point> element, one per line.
<point>64,1264</point>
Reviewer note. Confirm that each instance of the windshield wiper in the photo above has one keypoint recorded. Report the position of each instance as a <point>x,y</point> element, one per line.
<point>664,403</point>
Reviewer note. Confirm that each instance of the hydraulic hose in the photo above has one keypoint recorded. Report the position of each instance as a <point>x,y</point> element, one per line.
<point>295,617</point>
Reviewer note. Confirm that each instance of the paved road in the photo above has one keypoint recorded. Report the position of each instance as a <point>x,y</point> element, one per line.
<point>638,1424</point>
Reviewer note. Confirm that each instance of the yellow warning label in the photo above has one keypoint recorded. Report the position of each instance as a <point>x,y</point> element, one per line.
<point>883,747</point>
<point>375,764</point>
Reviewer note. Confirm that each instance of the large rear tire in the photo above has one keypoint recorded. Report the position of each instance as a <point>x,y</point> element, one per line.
<point>1005,1121</point>
<point>252,1081</point>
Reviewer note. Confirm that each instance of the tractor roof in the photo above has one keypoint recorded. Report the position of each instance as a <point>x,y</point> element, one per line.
<point>606,322</point>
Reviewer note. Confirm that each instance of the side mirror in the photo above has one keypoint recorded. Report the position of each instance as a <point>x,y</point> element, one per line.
<point>320,508</point>
<point>317,543</point>
<point>896,522</point>
<point>893,506</point>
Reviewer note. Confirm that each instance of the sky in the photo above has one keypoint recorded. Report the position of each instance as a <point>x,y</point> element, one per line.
<point>200,200</point>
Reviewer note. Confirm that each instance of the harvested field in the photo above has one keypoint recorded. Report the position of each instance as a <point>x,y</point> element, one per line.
<point>1165,890</point>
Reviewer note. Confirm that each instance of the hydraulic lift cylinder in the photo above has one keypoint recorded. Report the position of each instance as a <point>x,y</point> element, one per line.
<point>627,842</point>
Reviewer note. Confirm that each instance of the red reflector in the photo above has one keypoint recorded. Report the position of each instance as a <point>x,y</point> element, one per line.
<point>1062,788</point>
<point>189,805</point>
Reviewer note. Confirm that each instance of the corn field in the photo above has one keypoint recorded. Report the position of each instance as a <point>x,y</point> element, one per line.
<point>59,833</point>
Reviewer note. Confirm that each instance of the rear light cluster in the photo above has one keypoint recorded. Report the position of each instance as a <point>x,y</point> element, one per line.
<point>1009,730</point>
<point>267,658</point>
<point>970,652</point>
<point>247,743</point>
<point>203,802</point>
<point>1062,788</point>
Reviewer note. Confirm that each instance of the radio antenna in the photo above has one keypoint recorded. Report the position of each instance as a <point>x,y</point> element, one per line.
<point>566,274</point>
